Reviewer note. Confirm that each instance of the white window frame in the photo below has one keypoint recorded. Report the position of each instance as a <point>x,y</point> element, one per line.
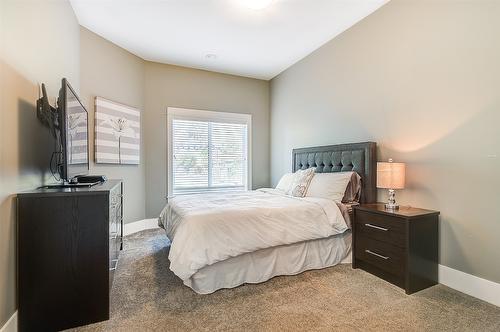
<point>176,113</point>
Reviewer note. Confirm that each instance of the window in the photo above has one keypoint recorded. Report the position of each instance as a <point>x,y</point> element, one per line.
<point>208,151</point>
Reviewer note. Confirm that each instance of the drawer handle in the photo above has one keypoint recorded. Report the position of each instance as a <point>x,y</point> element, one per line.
<point>375,254</point>
<point>115,261</point>
<point>377,227</point>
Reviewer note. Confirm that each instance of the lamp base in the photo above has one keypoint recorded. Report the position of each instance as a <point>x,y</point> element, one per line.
<point>391,207</point>
<point>391,202</point>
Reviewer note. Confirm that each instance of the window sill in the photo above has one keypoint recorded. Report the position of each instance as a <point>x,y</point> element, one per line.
<point>210,191</point>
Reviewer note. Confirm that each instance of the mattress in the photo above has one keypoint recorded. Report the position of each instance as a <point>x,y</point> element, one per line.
<point>264,264</point>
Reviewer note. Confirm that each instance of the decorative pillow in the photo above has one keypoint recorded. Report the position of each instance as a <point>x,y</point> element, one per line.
<point>353,190</point>
<point>301,181</point>
<point>329,185</point>
<point>285,182</point>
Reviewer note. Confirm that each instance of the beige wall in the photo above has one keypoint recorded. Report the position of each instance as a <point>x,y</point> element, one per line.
<point>422,78</point>
<point>39,43</point>
<point>167,85</point>
<point>109,71</point>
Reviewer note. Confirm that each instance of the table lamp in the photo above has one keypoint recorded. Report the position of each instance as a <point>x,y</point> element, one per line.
<point>391,176</point>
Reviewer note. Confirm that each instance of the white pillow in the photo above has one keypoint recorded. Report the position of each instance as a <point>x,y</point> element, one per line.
<point>285,182</point>
<point>301,181</point>
<point>329,185</point>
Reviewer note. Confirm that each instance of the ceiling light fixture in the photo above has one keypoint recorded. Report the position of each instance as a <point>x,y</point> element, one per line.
<point>211,56</point>
<point>257,4</point>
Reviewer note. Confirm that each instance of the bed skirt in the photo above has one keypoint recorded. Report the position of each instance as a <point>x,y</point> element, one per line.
<point>264,264</point>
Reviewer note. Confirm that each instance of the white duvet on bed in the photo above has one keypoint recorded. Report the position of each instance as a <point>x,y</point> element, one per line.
<point>208,228</point>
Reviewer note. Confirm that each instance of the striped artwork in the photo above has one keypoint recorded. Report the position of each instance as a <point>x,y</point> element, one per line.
<point>117,133</point>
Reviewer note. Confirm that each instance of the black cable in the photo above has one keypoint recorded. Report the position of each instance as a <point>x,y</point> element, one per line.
<point>56,160</point>
<point>51,166</point>
<point>57,155</point>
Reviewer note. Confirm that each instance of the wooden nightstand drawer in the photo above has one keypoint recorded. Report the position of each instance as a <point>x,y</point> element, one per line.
<point>385,256</point>
<point>381,228</point>
<point>398,246</point>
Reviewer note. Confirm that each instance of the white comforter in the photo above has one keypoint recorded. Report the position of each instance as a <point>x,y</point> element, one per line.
<point>208,228</point>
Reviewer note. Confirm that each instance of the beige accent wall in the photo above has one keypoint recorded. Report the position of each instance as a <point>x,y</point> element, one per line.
<point>111,72</point>
<point>167,85</point>
<point>39,43</point>
<point>422,79</point>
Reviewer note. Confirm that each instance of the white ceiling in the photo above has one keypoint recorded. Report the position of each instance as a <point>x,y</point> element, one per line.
<point>246,42</point>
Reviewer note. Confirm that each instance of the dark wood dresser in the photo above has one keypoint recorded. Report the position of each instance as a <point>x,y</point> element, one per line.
<point>398,246</point>
<point>68,246</point>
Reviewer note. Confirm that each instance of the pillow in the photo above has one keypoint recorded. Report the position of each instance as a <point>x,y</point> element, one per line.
<point>353,190</point>
<point>329,185</point>
<point>301,181</point>
<point>285,182</point>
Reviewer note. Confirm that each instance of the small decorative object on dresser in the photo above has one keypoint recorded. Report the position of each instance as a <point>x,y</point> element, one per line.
<point>399,246</point>
<point>391,176</point>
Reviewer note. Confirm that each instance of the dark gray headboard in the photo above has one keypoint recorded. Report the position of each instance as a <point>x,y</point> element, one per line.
<point>357,157</point>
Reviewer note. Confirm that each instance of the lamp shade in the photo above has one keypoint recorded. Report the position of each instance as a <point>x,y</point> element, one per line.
<point>390,175</point>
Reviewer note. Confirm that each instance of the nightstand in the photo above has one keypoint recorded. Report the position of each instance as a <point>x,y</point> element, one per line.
<point>399,246</point>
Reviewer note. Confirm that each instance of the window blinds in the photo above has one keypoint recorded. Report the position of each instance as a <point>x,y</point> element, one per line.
<point>208,156</point>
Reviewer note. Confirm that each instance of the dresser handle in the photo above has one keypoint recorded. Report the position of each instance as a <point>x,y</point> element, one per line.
<point>377,227</point>
<point>375,254</point>
<point>115,265</point>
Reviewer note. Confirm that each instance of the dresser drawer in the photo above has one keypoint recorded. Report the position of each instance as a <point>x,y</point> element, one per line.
<point>382,228</point>
<point>385,256</point>
<point>115,195</point>
<point>115,222</point>
<point>114,246</point>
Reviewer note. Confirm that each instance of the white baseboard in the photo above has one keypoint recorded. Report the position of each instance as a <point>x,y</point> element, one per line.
<point>480,288</point>
<point>11,325</point>
<point>137,226</point>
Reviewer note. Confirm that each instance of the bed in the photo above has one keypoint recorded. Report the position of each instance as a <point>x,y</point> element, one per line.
<point>226,240</point>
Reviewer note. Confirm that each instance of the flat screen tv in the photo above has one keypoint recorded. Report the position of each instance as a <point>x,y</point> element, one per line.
<point>74,134</point>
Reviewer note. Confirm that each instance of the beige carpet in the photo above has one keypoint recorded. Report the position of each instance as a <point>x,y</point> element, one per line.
<point>146,296</point>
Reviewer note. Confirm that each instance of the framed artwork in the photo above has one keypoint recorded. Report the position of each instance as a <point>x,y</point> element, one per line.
<point>117,133</point>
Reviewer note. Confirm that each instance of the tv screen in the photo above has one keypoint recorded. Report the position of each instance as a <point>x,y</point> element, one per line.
<point>74,133</point>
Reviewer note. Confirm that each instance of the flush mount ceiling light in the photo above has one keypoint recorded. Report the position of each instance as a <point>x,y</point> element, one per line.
<point>256,4</point>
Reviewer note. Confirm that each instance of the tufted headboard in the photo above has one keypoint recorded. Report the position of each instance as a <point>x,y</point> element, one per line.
<point>357,157</point>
